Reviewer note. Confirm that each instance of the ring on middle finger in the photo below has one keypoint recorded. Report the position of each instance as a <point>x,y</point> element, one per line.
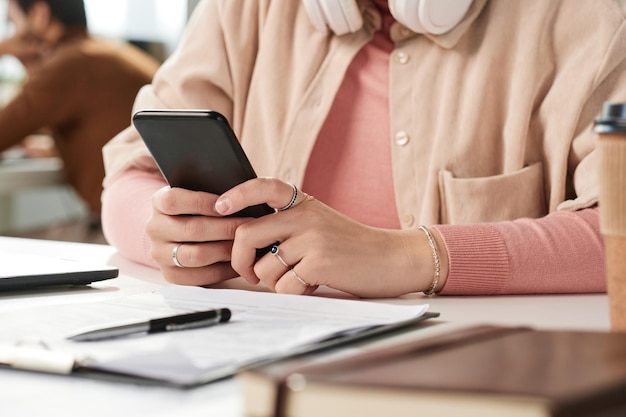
<point>274,252</point>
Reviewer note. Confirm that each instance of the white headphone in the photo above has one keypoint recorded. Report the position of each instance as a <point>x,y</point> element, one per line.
<point>421,16</point>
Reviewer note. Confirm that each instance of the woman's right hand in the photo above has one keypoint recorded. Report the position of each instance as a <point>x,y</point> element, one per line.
<point>188,220</point>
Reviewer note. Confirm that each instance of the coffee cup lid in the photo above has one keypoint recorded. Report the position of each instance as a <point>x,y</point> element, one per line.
<point>612,120</point>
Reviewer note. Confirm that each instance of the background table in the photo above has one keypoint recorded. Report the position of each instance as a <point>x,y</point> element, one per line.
<point>16,174</point>
<point>34,194</point>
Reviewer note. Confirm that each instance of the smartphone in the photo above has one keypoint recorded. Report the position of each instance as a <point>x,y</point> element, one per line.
<point>197,150</point>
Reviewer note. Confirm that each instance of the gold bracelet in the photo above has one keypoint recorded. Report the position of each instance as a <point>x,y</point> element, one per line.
<point>433,247</point>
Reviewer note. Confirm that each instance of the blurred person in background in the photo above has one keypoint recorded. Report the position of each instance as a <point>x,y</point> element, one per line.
<point>79,88</point>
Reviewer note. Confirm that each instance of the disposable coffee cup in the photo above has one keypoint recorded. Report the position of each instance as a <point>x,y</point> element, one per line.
<point>611,130</point>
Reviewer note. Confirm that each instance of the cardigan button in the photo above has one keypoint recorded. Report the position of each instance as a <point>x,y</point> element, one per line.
<point>402,138</point>
<point>408,220</point>
<point>402,57</point>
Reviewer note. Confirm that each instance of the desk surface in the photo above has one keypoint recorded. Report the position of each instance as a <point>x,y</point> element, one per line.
<point>28,394</point>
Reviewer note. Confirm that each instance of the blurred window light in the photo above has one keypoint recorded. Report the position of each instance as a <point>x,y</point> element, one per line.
<point>158,21</point>
<point>11,71</point>
<point>138,20</point>
<point>4,18</point>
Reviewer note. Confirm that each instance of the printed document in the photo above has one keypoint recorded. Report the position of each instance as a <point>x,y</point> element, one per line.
<point>264,326</point>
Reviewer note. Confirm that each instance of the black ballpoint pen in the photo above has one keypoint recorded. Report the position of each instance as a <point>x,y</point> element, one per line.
<point>166,324</point>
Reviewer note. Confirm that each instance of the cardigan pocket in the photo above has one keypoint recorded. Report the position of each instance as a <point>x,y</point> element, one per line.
<point>491,199</point>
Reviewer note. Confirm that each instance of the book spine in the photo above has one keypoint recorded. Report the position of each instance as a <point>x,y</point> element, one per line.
<point>416,347</point>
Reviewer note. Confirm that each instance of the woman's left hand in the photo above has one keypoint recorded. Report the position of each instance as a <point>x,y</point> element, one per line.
<point>320,246</point>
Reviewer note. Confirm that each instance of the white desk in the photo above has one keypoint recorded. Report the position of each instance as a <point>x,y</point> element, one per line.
<point>30,394</point>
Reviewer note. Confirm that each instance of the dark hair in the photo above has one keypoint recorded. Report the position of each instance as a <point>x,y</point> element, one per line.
<point>68,12</point>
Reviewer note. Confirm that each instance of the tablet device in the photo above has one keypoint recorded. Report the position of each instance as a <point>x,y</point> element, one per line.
<point>25,271</point>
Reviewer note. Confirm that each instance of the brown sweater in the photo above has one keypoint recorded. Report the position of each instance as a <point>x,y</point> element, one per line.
<point>82,94</point>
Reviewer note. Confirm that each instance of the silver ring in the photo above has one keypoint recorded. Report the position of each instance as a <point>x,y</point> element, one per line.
<point>175,256</point>
<point>303,282</point>
<point>294,197</point>
<point>274,251</point>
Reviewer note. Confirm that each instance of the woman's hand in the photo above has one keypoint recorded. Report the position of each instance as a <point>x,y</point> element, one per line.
<point>186,220</point>
<point>320,246</point>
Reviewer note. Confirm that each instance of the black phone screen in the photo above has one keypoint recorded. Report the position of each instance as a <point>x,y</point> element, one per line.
<point>197,150</point>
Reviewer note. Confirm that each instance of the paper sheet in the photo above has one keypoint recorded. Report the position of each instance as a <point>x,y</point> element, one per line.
<point>263,325</point>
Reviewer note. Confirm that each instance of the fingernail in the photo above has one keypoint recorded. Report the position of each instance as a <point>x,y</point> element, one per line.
<point>222,205</point>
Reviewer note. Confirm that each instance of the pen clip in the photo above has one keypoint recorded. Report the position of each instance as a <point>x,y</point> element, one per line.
<point>191,325</point>
<point>189,320</point>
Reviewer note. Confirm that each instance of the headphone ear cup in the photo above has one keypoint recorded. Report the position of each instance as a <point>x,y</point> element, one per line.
<point>407,13</point>
<point>429,16</point>
<point>341,16</point>
<point>316,15</point>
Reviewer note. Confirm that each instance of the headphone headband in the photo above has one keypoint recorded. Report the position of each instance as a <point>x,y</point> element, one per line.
<point>422,16</point>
